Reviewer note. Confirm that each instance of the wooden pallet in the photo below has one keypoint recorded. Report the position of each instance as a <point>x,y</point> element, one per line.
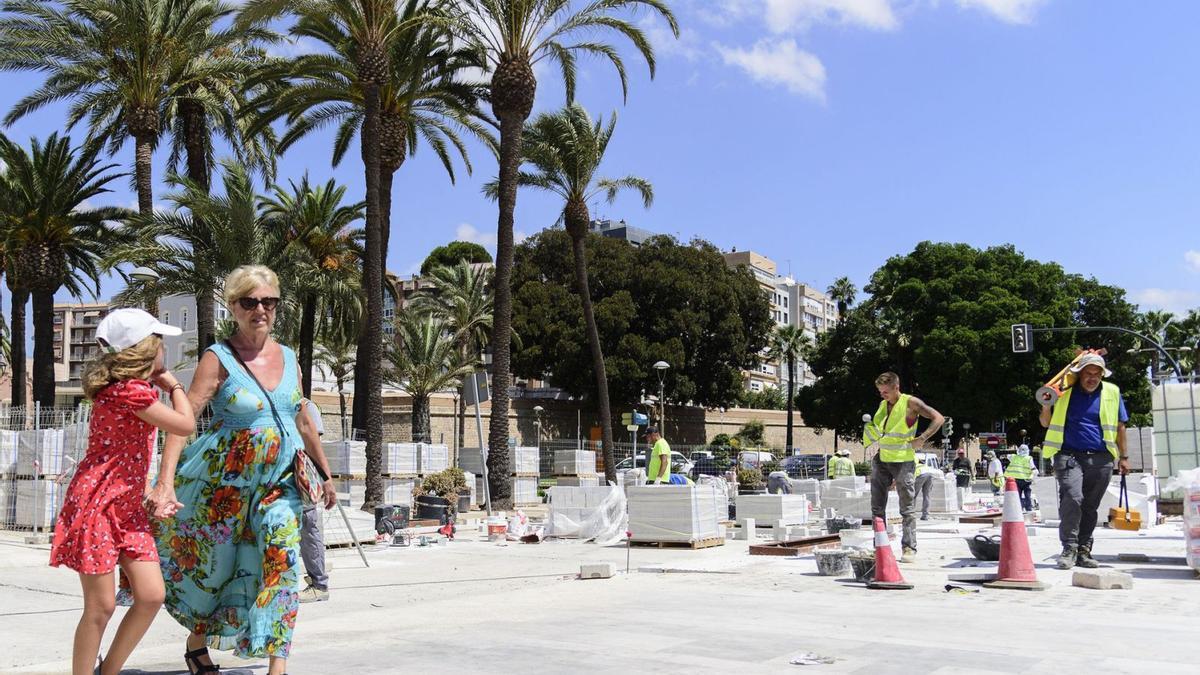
<point>798,546</point>
<point>699,543</point>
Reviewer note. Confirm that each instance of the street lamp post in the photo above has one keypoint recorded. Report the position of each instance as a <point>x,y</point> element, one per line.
<point>661,367</point>
<point>148,277</point>
<point>537,411</point>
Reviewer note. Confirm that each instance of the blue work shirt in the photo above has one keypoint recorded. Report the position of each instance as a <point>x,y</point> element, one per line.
<point>1082,431</point>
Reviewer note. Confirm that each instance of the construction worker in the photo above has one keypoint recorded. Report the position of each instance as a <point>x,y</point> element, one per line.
<point>840,464</point>
<point>1021,469</point>
<point>962,469</point>
<point>658,462</point>
<point>923,478</point>
<point>1085,436</point>
<point>312,541</point>
<point>894,427</point>
<point>995,473</point>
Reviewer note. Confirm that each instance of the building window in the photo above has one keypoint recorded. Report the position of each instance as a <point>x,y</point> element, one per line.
<point>755,386</point>
<point>166,318</point>
<point>183,320</point>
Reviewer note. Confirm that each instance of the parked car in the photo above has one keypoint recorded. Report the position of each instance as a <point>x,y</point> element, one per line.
<point>932,459</point>
<point>754,459</point>
<point>679,463</point>
<point>805,466</point>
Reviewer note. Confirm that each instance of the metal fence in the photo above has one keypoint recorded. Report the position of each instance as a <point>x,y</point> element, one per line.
<point>39,450</point>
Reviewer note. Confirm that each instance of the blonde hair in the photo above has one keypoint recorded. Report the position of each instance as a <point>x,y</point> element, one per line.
<point>242,282</point>
<point>887,379</point>
<point>131,363</point>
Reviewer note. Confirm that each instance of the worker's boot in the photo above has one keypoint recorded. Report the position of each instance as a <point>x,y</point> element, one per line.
<point>1085,558</point>
<point>1068,558</point>
<point>909,555</point>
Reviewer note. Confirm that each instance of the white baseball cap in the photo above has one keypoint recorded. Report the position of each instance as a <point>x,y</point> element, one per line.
<point>124,328</point>
<point>1091,360</point>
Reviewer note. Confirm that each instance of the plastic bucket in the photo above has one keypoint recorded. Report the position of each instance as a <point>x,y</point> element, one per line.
<point>497,528</point>
<point>863,566</point>
<point>832,562</point>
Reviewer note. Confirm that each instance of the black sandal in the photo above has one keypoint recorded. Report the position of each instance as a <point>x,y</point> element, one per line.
<point>192,661</point>
<point>99,664</point>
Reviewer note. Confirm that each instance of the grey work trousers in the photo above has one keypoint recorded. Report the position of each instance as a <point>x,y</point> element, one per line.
<point>1082,480</point>
<point>924,486</point>
<point>312,547</point>
<point>882,475</point>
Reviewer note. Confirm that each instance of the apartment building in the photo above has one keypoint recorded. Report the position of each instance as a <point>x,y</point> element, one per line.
<point>765,272</point>
<point>74,344</point>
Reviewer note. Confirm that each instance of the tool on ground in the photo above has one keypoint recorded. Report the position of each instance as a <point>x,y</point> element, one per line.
<point>1050,392</point>
<point>887,572</point>
<point>1016,562</point>
<point>1123,517</point>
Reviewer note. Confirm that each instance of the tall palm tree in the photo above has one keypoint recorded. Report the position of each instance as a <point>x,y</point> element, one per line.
<point>325,274</point>
<point>424,360</point>
<point>461,296</point>
<point>565,149</point>
<point>788,344</point>
<point>843,292</point>
<point>53,237</point>
<point>1184,335</point>
<point>370,27</point>
<point>1156,324</point>
<point>204,237</point>
<point>120,62</point>
<point>334,357</point>
<point>511,36</point>
<point>424,99</point>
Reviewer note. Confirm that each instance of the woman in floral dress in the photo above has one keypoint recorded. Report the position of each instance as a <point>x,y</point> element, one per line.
<point>230,544</point>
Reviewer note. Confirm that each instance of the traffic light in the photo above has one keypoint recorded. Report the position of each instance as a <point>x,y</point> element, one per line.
<point>1022,338</point>
<point>626,419</point>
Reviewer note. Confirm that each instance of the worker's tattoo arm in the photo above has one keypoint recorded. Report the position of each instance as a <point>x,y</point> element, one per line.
<point>919,407</point>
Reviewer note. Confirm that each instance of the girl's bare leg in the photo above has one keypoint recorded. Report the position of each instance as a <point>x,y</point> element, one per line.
<point>99,602</point>
<point>146,582</point>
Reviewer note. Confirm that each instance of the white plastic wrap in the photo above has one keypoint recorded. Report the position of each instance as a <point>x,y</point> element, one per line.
<point>770,509</point>
<point>432,458</point>
<point>1189,483</point>
<point>574,463</point>
<point>676,513</point>
<point>588,513</point>
<point>402,458</point>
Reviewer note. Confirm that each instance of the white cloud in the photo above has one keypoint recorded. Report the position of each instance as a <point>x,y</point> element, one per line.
<point>1175,300</point>
<point>295,46</point>
<point>1009,11</point>
<point>786,15</point>
<point>1192,258</point>
<point>782,63</point>
<point>468,232</point>
<point>687,45</point>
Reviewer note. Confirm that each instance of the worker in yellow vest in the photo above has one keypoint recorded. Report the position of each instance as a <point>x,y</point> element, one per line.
<point>840,464</point>
<point>923,478</point>
<point>1085,437</point>
<point>894,428</point>
<point>1021,469</point>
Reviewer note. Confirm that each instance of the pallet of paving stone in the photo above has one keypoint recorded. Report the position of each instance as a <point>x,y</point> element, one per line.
<point>708,542</point>
<point>574,463</point>
<point>770,509</point>
<point>521,460</point>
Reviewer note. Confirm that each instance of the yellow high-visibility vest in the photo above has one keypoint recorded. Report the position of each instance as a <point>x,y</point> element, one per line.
<point>893,432</point>
<point>1020,467</point>
<point>1110,417</point>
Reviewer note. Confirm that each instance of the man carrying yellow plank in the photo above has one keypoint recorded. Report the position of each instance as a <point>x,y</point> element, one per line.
<point>894,427</point>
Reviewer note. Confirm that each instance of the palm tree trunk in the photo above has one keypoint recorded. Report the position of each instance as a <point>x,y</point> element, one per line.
<point>20,299</point>
<point>358,413</point>
<point>142,169</point>
<point>578,245</point>
<point>373,276</point>
<point>791,366</point>
<point>195,139</point>
<point>498,469</point>
<point>43,347</point>
<point>341,385</point>
<point>358,417</point>
<point>308,320</point>
<point>420,419</point>
<point>206,321</point>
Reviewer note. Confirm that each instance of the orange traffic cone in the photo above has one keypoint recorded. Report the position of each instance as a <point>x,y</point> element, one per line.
<point>887,572</point>
<point>1016,562</point>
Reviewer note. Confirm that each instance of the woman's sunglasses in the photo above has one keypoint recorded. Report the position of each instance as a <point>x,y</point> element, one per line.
<point>249,304</point>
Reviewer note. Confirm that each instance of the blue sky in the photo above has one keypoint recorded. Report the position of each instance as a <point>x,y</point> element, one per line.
<point>832,134</point>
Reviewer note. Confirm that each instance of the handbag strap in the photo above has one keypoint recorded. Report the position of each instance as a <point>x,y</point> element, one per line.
<point>270,399</point>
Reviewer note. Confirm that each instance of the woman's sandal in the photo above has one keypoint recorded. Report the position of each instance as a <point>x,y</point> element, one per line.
<point>99,664</point>
<point>192,661</point>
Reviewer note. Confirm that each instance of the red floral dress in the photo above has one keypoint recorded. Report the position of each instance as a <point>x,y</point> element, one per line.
<point>103,516</point>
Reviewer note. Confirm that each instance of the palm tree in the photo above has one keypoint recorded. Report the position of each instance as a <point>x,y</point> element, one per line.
<point>20,297</point>
<point>1184,335</point>
<point>53,238</point>
<point>511,36</point>
<point>334,358</point>
<point>194,245</point>
<point>842,291</point>
<point>121,63</point>
<point>788,344</point>
<point>460,295</point>
<point>325,275</point>
<point>423,99</point>
<point>566,149</point>
<point>1156,324</point>
<point>424,360</point>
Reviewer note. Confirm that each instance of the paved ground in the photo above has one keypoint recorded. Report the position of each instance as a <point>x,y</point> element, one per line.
<point>471,606</point>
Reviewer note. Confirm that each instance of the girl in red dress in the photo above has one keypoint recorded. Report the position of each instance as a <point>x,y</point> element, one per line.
<point>103,522</point>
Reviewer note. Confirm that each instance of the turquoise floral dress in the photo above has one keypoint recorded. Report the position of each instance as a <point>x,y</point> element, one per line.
<point>229,556</point>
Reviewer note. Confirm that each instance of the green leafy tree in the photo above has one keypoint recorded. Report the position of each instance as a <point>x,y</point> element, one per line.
<point>843,292</point>
<point>565,150</point>
<point>454,252</point>
<point>324,273</point>
<point>334,357</point>
<point>424,360</point>
<point>940,316</point>
<point>770,398</point>
<point>788,344</point>
<point>1183,335</point>
<point>460,295</point>
<point>1156,325</point>
<point>662,301</point>
<point>510,36</point>
<point>52,238</point>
